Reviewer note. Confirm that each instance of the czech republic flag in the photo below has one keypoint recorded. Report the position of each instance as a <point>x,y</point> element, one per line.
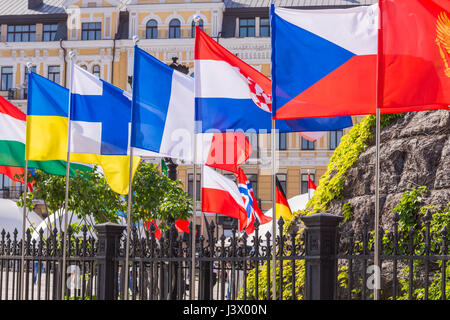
<point>324,62</point>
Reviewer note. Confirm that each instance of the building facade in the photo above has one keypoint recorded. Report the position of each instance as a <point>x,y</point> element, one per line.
<point>100,32</point>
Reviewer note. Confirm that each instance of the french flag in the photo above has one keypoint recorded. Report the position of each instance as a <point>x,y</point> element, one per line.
<point>220,195</point>
<point>163,119</point>
<point>251,205</point>
<point>324,61</point>
<point>230,94</point>
<point>163,109</point>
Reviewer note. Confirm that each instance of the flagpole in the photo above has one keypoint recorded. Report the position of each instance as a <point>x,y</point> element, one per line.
<point>377,166</point>
<point>66,201</point>
<point>24,218</point>
<point>130,186</point>
<point>194,209</point>
<point>274,216</point>
<point>377,206</point>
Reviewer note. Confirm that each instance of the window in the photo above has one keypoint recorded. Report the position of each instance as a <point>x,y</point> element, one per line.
<point>304,182</point>
<point>91,31</point>
<point>335,138</point>
<point>22,33</point>
<point>283,181</point>
<point>152,29</point>
<point>96,70</point>
<point>200,24</point>
<point>247,27</point>
<point>49,32</point>
<point>7,78</point>
<point>5,182</point>
<point>174,29</point>
<point>83,66</point>
<point>54,74</point>
<point>264,27</point>
<point>307,145</point>
<point>282,141</point>
<point>191,186</point>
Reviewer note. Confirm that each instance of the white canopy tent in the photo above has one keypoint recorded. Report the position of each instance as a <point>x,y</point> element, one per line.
<point>11,217</point>
<point>295,203</point>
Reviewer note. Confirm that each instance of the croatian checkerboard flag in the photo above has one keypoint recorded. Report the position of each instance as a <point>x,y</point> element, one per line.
<point>250,203</point>
<point>230,94</point>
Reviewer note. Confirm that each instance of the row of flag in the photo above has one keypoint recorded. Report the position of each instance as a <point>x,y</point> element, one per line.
<point>327,65</point>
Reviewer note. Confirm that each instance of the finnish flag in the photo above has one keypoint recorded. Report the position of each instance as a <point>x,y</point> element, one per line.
<point>100,115</point>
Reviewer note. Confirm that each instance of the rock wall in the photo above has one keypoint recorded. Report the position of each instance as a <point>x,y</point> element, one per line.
<point>414,151</point>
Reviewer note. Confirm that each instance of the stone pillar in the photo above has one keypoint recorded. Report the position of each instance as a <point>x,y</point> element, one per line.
<point>321,246</point>
<point>109,235</point>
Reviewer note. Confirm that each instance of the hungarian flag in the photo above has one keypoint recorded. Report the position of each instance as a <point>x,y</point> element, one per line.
<point>12,144</point>
<point>414,68</point>
<point>282,206</point>
<point>220,195</point>
<point>311,187</point>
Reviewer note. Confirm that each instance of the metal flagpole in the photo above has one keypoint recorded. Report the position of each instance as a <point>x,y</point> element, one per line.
<point>66,202</point>
<point>377,167</point>
<point>194,197</point>
<point>274,215</point>
<point>194,214</point>
<point>377,207</point>
<point>24,218</point>
<point>130,192</point>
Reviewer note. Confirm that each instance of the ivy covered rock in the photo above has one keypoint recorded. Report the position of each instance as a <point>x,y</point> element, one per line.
<point>414,152</point>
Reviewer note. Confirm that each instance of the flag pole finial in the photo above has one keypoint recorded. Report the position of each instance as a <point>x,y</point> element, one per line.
<point>135,39</point>
<point>197,20</point>
<point>29,66</point>
<point>72,54</point>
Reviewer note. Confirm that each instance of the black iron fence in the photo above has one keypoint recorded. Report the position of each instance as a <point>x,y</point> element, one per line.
<point>322,262</point>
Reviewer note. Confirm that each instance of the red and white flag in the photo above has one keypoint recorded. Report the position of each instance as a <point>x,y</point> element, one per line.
<point>224,151</point>
<point>220,195</point>
<point>311,187</point>
<point>414,68</point>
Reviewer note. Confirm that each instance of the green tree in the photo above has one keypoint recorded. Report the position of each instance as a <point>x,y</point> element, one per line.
<point>156,197</point>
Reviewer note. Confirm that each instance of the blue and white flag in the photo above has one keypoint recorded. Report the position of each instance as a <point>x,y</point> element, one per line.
<point>163,109</point>
<point>99,128</point>
<point>100,115</point>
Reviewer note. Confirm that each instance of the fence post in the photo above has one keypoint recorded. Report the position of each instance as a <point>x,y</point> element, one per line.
<point>109,235</point>
<point>320,265</point>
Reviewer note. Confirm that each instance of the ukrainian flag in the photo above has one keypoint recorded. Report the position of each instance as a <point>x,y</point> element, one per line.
<point>100,117</point>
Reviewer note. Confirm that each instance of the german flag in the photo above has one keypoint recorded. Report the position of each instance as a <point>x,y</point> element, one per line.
<point>282,206</point>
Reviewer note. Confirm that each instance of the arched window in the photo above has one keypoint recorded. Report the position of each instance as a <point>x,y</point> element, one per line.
<point>200,24</point>
<point>83,66</point>
<point>174,28</point>
<point>152,29</point>
<point>96,70</point>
